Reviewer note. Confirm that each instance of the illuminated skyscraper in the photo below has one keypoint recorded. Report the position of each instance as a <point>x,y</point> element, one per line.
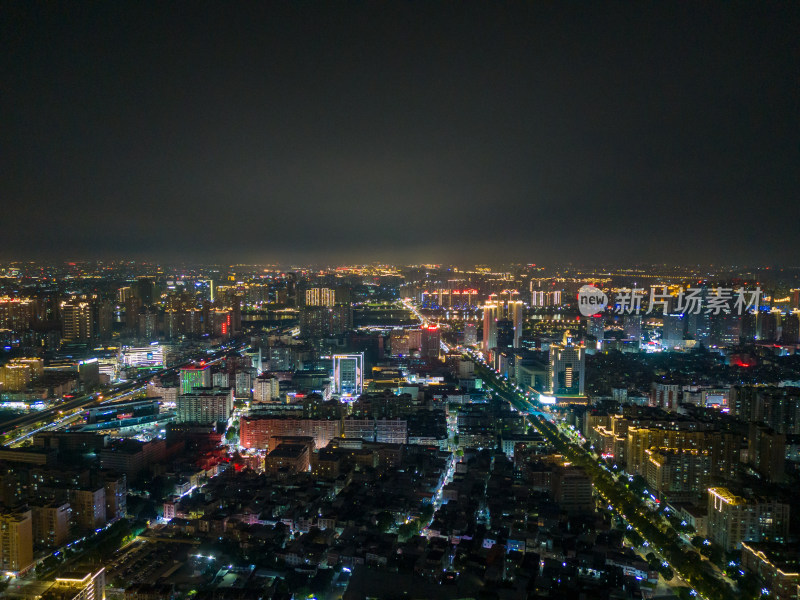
<point>348,374</point>
<point>515,310</point>
<point>16,540</point>
<point>490,316</point>
<point>320,296</point>
<point>77,320</point>
<point>470,334</point>
<point>195,376</point>
<point>430,342</point>
<point>567,367</point>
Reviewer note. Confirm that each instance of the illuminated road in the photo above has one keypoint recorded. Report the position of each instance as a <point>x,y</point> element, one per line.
<point>524,404</point>
<point>64,413</point>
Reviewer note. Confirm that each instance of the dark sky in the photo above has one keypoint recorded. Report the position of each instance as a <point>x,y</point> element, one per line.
<point>401,131</point>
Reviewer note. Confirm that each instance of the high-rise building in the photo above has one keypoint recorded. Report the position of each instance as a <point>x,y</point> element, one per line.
<point>14,378</point>
<point>88,507</point>
<point>348,374</point>
<point>723,448</point>
<point>770,324</point>
<point>777,407</point>
<point>16,313</point>
<point>16,540</point>
<point>734,519</point>
<point>320,296</point>
<point>266,389</point>
<point>567,368</point>
<point>515,314</point>
<point>205,405</point>
<point>633,327</point>
<point>665,396</point>
<point>430,342</point>
<point>766,452</point>
<point>790,331</point>
<point>77,320</point>
<point>505,333</point>
<point>470,334</point>
<point>324,321</point>
<point>195,376</point>
<point>491,312</point>
<point>81,585</point>
<point>254,354</point>
<point>673,332</point>
<point>116,488</point>
<point>595,326</point>
<point>51,524</point>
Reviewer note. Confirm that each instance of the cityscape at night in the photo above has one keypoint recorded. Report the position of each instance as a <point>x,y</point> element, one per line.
<point>399,301</point>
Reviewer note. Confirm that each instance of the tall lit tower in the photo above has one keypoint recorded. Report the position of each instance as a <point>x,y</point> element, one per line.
<point>515,309</point>
<point>76,320</point>
<point>348,374</point>
<point>567,367</point>
<point>490,315</point>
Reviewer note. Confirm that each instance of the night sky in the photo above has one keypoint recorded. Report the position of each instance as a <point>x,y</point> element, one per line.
<point>394,131</point>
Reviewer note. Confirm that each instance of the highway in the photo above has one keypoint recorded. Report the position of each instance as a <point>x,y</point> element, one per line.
<point>64,413</point>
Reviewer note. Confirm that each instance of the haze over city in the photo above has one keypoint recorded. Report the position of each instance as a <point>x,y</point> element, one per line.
<point>383,300</point>
<point>475,132</point>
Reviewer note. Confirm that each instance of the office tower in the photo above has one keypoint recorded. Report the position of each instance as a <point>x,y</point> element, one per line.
<point>766,452</point>
<point>490,316</point>
<point>16,540</point>
<point>673,331</point>
<point>734,519</point>
<point>567,372</point>
<point>204,405</point>
<point>470,334</point>
<point>633,327</point>
<point>77,320</point>
<point>320,296</point>
<point>195,376</point>
<point>51,524</point>
<point>348,374</point>
<point>430,342</point>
